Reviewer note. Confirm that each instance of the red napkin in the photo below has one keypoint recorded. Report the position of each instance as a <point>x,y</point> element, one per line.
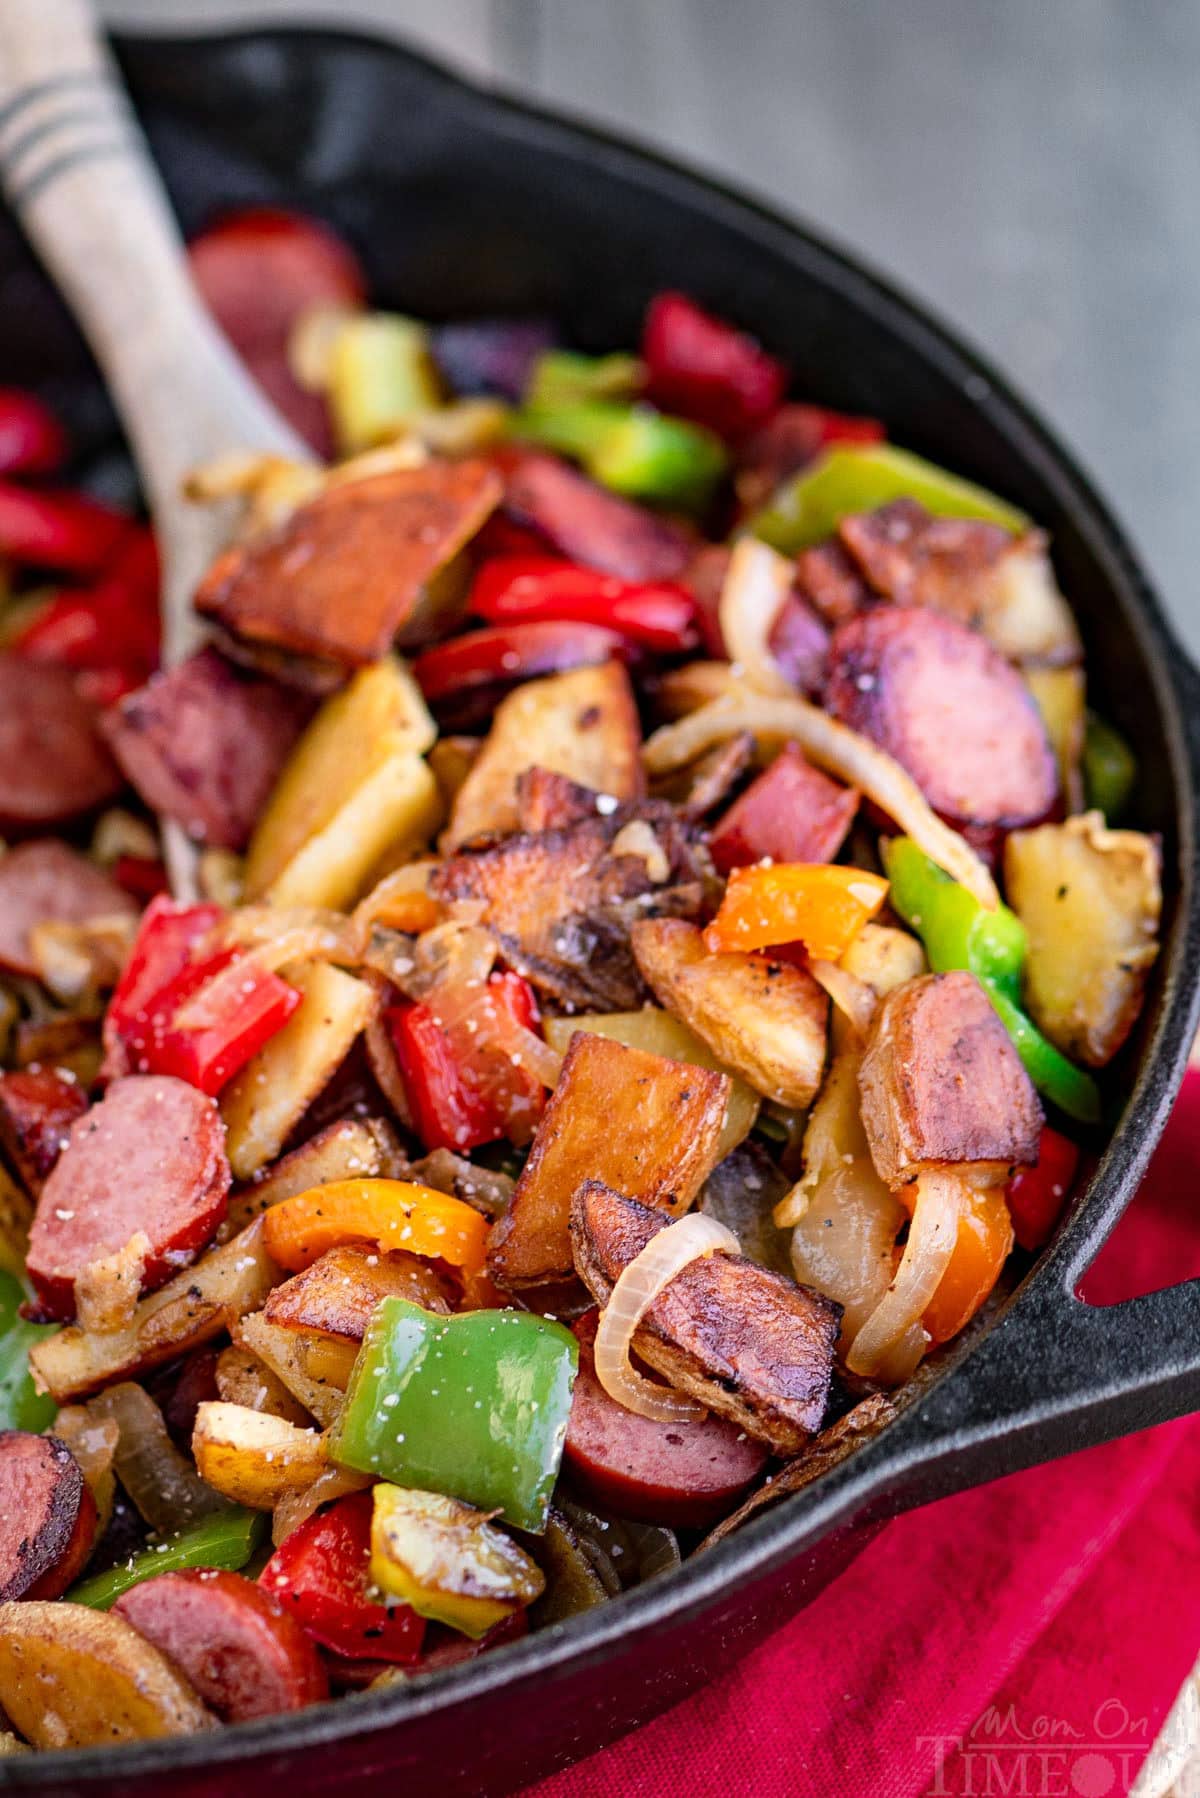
<point>1028,1637</point>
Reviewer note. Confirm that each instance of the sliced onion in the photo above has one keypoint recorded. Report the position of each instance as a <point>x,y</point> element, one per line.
<point>294,937</point>
<point>639,1284</point>
<point>160,1480</point>
<point>92,1441</point>
<point>840,750</point>
<point>295,1508</point>
<point>853,997</point>
<point>752,596</point>
<point>931,1239</point>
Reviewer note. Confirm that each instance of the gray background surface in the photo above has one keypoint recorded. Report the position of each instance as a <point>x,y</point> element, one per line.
<point>1030,168</point>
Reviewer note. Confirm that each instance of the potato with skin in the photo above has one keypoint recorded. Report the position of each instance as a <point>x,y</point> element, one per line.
<point>583,724</point>
<point>251,1456</point>
<point>337,1294</point>
<point>1090,899</point>
<point>762,1019</point>
<point>73,1677</point>
<point>285,1353</point>
<point>351,1149</point>
<point>648,1127</point>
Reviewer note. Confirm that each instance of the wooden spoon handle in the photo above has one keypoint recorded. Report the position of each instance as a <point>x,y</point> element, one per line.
<point>77,171</point>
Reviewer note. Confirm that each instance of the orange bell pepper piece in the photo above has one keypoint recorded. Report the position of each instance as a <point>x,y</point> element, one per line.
<point>983,1245</point>
<point>819,904</point>
<point>395,1214</point>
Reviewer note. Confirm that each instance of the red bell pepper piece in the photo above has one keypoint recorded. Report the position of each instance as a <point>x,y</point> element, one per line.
<point>532,589</point>
<point>1036,1195</point>
<point>103,628</point>
<point>31,439</point>
<point>704,369</point>
<point>135,565</point>
<point>166,969</point>
<point>462,1085</point>
<point>61,530</point>
<point>142,876</point>
<point>510,653</point>
<point>791,813</point>
<point>320,1573</point>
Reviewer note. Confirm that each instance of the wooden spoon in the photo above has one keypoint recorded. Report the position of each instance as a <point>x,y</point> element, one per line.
<point>77,171</point>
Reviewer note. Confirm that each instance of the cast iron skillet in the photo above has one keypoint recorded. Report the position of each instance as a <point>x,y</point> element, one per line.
<point>464,203</point>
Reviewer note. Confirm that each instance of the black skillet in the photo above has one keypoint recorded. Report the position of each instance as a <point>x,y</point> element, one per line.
<point>461,204</point>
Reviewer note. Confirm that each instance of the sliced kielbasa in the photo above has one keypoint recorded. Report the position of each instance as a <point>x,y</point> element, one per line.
<point>53,765</point>
<point>205,743</point>
<point>951,710</point>
<point>588,524</point>
<point>47,1516</point>
<point>684,1475</point>
<point>150,1157</point>
<point>37,1109</point>
<point>792,812</point>
<point>44,882</point>
<point>234,1642</point>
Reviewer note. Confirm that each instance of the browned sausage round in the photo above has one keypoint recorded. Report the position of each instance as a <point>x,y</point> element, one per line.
<point>681,1474</point>
<point>952,711</point>
<point>150,1157</point>
<point>53,765</point>
<point>244,1654</point>
<point>47,1516</point>
<point>589,524</point>
<point>47,883</point>
<point>37,1108</point>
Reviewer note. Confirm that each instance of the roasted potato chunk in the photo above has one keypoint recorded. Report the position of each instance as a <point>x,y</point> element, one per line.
<point>749,1344</point>
<point>583,724</point>
<point>648,1127</point>
<point>337,1294</point>
<point>190,1310</point>
<point>72,1677</point>
<point>351,1149</point>
<point>763,1019</point>
<point>263,1103</point>
<point>253,1457</point>
<point>354,787</point>
<point>1090,899</point>
<point>1060,695</point>
<point>286,1355</point>
<point>942,1085</point>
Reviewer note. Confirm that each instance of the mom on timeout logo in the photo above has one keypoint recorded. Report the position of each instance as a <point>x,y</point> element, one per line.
<point>1004,1755</point>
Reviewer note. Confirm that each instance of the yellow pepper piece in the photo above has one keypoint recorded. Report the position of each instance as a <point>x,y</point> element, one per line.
<point>446,1560</point>
<point>819,904</point>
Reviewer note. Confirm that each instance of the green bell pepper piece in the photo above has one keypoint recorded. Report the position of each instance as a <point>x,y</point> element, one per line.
<point>958,932</point>
<point>850,479</point>
<point>473,1406</point>
<point>561,377</point>
<point>22,1406</point>
<point>1109,768</point>
<point>381,373</point>
<point>227,1539</point>
<point>642,454</point>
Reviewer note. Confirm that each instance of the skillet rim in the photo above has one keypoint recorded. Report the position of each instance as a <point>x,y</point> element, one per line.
<point>782,1533</point>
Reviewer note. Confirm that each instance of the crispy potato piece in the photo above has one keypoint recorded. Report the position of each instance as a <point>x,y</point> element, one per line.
<point>263,1103</point>
<point>16,1215</point>
<point>190,1310</point>
<point>354,787</point>
<point>283,1351</point>
<point>72,1677</point>
<point>253,1457</point>
<point>765,1020</point>
<point>884,957</point>
<point>1060,695</point>
<point>352,1149</point>
<point>749,1344</point>
<point>337,1294</point>
<point>942,1085</point>
<point>658,1033</point>
<point>647,1126</point>
<point>583,724</point>
<point>242,1379</point>
<point>1090,899</point>
<point>341,574</point>
<point>451,759</point>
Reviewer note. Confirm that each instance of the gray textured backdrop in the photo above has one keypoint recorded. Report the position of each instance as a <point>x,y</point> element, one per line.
<point>1029,167</point>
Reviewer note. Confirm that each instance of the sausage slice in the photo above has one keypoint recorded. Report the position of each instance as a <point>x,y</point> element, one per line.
<point>37,1109</point>
<point>150,1157</point>
<point>684,1475</point>
<point>47,1516</point>
<point>44,882</point>
<point>952,711</point>
<point>749,1344</point>
<point>232,1640</point>
<point>942,1083</point>
<point>53,765</point>
<point>590,525</point>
